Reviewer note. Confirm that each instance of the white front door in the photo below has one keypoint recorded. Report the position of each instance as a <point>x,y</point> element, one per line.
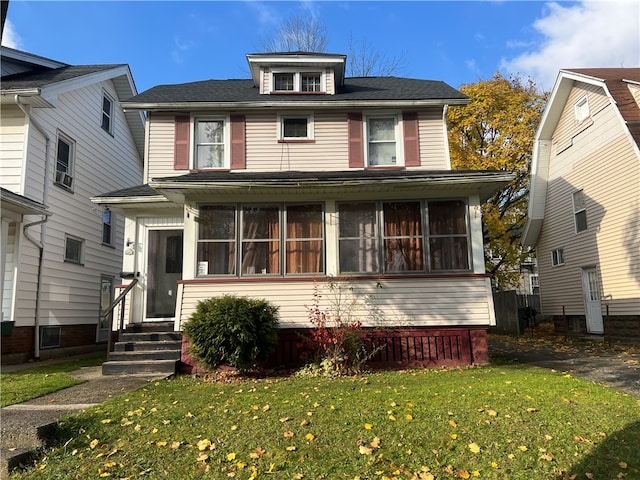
<point>593,306</point>
<point>163,271</point>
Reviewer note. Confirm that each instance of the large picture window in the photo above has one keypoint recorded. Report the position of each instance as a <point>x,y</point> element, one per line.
<point>389,237</point>
<point>263,239</point>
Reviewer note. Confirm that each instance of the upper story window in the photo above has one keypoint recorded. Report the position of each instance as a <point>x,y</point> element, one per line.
<point>107,227</point>
<point>107,113</point>
<point>581,109</point>
<point>382,141</point>
<point>579,211</point>
<point>557,257</point>
<point>64,162</point>
<point>294,81</point>
<point>210,144</point>
<point>295,127</point>
<point>73,250</point>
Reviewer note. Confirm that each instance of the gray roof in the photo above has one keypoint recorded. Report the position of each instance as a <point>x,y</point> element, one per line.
<point>47,76</point>
<point>354,89</point>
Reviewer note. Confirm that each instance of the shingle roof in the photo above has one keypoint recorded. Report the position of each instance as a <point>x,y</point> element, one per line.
<point>47,76</point>
<point>356,88</point>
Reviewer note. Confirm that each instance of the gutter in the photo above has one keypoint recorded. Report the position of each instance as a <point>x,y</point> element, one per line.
<point>39,244</point>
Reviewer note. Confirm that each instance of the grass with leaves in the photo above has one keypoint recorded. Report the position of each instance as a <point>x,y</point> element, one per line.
<point>33,382</point>
<point>495,422</point>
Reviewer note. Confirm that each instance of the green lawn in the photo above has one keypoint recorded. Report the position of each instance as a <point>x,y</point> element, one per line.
<point>496,422</point>
<point>20,386</point>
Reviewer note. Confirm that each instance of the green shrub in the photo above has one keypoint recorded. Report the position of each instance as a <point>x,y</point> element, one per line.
<point>230,330</point>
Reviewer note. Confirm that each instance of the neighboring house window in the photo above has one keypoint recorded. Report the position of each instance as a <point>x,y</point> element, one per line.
<point>294,81</point>
<point>210,144</point>
<point>382,144</point>
<point>107,227</point>
<point>64,162</point>
<point>581,109</point>
<point>557,257</point>
<point>296,127</point>
<point>262,239</point>
<point>50,337</point>
<point>389,237</point>
<point>535,284</point>
<point>107,113</point>
<point>579,211</point>
<point>73,250</point>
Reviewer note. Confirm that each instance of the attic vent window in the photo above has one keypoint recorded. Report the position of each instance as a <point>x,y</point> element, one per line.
<point>582,109</point>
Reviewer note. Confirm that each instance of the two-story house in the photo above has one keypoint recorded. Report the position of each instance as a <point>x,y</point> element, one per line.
<point>265,187</point>
<point>584,209</point>
<point>63,139</point>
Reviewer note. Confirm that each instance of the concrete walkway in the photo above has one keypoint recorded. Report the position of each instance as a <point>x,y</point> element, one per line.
<point>590,359</point>
<point>25,427</point>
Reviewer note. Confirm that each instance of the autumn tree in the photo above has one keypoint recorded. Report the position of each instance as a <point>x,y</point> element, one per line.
<point>496,132</point>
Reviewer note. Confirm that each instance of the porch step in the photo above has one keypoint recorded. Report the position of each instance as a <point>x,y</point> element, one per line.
<point>149,336</point>
<point>126,367</point>
<point>147,348</point>
<point>147,345</point>
<point>136,355</point>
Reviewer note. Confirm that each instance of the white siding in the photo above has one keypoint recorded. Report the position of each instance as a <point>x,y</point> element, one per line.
<point>160,149</point>
<point>12,136</point>
<point>603,163</point>
<point>102,163</point>
<point>419,302</point>
<point>433,147</point>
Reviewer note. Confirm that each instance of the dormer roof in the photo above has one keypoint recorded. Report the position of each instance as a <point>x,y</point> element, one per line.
<point>259,61</point>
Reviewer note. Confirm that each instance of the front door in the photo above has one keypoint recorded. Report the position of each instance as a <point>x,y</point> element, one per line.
<point>593,306</point>
<point>164,270</point>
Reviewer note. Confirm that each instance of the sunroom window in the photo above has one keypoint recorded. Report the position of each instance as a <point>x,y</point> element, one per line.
<point>390,237</point>
<point>263,239</point>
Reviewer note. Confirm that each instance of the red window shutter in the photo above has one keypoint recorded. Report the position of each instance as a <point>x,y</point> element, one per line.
<point>411,139</point>
<point>181,143</point>
<point>238,145</point>
<point>356,147</point>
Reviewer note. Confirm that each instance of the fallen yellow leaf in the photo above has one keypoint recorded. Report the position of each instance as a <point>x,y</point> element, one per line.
<point>474,447</point>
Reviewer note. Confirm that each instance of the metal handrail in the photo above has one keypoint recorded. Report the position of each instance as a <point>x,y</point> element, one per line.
<point>111,308</point>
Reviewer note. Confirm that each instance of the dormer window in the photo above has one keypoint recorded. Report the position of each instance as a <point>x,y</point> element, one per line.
<point>306,82</point>
<point>283,82</point>
<point>311,82</point>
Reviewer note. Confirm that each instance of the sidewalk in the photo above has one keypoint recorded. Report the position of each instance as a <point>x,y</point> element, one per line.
<point>25,427</point>
<point>589,359</point>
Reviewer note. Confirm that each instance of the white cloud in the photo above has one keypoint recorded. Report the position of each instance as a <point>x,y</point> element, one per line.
<point>588,34</point>
<point>10,37</point>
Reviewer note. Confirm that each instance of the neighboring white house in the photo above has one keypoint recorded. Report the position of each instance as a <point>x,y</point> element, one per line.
<point>63,139</point>
<point>268,186</point>
<point>584,209</point>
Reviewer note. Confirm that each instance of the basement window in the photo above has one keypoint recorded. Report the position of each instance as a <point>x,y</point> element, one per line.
<point>50,337</point>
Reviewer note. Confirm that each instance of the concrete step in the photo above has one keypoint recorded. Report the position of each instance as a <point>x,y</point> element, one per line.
<point>136,355</point>
<point>11,459</point>
<point>147,345</point>
<point>155,367</point>
<point>150,327</point>
<point>149,336</point>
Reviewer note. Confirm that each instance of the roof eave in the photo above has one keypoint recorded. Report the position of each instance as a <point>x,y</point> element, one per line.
<point>251,105</point>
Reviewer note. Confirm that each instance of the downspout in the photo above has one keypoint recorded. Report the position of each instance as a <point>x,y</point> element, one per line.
<point>38,244</point>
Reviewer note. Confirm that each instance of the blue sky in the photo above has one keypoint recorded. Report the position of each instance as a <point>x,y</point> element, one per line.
<point>454,41</point>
